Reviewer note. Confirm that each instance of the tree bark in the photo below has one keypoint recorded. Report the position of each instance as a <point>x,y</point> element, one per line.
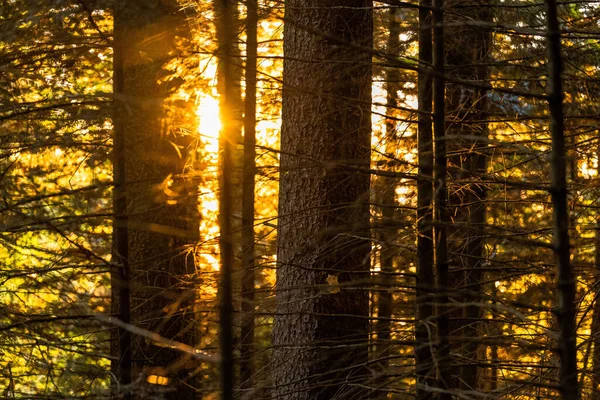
<point>160,199</point>
<point>120,279</point>
<point>467,49</point>
<point>566,312</point>
<point>441,219</point>
<point>249,169</point>
<point>231,109</point>
<point>424,329</point>
<point>227,142</point>
<point>320,335</point>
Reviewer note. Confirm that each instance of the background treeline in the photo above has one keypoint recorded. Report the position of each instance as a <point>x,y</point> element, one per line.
<point>407,155</point>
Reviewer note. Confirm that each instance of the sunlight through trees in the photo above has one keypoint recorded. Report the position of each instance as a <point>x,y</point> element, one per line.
<point>309,199</point>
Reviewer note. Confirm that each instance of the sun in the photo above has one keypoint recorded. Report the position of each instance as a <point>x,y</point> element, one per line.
<point>209,124</point>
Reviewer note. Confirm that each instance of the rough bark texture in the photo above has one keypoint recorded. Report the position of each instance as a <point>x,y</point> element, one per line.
<point>424,328</point>
<point>321,325</point>
<point>161,201</point>
<point>467,48</point>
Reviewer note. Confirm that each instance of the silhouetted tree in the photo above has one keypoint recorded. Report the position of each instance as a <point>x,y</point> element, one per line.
<point>161,217</point>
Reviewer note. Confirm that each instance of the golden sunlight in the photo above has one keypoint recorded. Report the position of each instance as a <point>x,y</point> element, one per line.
<point>209,124</point>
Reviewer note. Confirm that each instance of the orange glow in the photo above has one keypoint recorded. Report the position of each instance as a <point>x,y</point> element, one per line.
<point>157,380</point>
<point>209,122</point>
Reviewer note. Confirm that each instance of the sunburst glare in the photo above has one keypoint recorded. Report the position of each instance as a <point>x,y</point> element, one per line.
<point>209,124</point>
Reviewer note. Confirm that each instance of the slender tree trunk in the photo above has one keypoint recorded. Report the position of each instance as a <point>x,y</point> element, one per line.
<point>160,199</point>
<point>225,10</point>
<point>494,361</point>
<point>249,169</point>
<point>120,279</point>
<point>440,202</point>
<point>235,123</point>
<point>321,325</point>
<point>386,280</point>
<point>387,191</point>
<point>569,386</point>
<point>595,329</point>
<point>424,328</point>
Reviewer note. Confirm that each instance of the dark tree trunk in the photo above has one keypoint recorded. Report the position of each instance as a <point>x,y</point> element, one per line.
<point>440,202</point>
<point>424,328</point>
<point>161,200</point>
<point>229,95</point>
<point>120,279</point>
<point>249,169</point>
<point>321,325</point>
<point>467,48</point>
<point>229,77</point>
<point>566,312</point>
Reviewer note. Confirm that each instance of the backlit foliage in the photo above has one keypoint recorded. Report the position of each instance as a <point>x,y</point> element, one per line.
<point>56,196</point>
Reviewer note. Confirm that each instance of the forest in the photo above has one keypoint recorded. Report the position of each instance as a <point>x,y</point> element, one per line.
<point>299,199</point>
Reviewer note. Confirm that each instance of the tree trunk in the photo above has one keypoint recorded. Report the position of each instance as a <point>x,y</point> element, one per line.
<point>120,279</point>
<point>444,359</point>
<point>425,272</point>
<point>229,76</point>
<point>320,335</point>
<point>161,200</point>
<point>567,345</point>
<point>227,141</point>
<point>467,49</point>
<point>249,169</point>
<point>595,328</point>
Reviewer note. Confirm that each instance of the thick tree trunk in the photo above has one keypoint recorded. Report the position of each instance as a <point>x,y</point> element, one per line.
<point>161,201</point>
<point>467,48</point>
<point>249,169</point>
<point>567,345</point>
<point>424,328</point>
<point>321,325</point>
